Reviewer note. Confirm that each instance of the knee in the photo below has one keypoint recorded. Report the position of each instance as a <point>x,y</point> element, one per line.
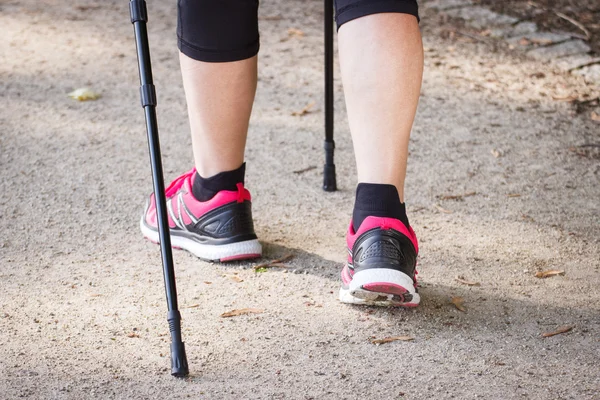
<point>218,31</point>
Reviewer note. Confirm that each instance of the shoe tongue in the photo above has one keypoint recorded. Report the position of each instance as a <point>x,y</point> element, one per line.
<point>189,179</point>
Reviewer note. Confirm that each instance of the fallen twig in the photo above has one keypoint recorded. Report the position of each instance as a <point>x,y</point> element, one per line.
<point>566,98</point>
<point>442,209</point>
<point>457,196</point>
<point>303,170</point>
<point>559,331</point>
<point>235,313</point>
<point>304,111</point>
<point>462,280</point>
<point>392,339</point>
<point>275,263</point>
<point>234,278</point>
<point>271,18</point>
<point>474,37</point>
<point>578,24</point>
<point>546,274</point>
<point>563,16</point>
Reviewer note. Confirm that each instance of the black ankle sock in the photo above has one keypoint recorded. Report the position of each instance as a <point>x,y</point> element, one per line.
<point>377,200</point>
<point>205,189</point>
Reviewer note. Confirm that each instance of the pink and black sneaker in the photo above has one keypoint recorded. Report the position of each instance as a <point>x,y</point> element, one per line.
<point>381,265</point>
<point>220,229</point>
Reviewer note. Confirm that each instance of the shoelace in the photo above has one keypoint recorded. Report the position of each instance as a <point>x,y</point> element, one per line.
<point>177,183</point>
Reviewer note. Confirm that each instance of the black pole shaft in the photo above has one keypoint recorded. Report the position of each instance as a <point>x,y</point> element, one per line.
<point>329,178</point>
<point>179,366</point>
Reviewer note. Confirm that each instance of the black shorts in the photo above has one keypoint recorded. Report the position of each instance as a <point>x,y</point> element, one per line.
<point>227,30</point>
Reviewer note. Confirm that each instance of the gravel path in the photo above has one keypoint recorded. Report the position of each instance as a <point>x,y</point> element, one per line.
<point>503,182</point>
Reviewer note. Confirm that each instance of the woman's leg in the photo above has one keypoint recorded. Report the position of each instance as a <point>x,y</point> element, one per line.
<point>219,98</point>
<point>209,209</point>
<point>381,59</point>
<point>219,41</point>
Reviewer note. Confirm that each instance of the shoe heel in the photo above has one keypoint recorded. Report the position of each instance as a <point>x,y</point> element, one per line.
<point>381,287</point>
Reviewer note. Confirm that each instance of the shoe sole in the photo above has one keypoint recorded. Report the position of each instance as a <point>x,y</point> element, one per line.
<point>221,253</point>
<point>380,287</point>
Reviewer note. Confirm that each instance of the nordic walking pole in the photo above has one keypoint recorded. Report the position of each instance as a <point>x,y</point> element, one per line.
<point>329,179</point>
<point>139,17</point>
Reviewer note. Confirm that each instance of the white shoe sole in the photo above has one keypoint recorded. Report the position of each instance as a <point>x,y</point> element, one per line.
<point>381,287</point>
<point>224,252</point>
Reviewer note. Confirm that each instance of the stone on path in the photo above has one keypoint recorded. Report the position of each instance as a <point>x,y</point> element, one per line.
<point>480,17</point>
<point>564,49</point>
<point>576,61</point>
<point>448,4</point>
<point>522,28</point>
<point>591,74</point>
<point>540,38</point>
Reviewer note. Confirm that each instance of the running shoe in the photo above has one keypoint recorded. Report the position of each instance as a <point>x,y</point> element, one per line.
<point>381,267</point>
<point>220,229</point>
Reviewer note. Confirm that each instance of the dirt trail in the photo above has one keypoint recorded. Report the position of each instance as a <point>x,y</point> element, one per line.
<point>82,310</point>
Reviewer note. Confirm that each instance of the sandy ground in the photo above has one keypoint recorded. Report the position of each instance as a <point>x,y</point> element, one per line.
<point>82,310</point>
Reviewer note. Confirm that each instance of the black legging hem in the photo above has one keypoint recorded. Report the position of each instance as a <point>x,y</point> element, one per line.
<point>227,30</point>
<point>368,7</point>
<point>217,55</point>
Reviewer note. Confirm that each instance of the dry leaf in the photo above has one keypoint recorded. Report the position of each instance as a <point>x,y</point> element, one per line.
<point>295,32</point>
<point>548,273</point>
<point>524,42</point>
<point>242,311</point>
<point>496,153</point>
<point>440,208</point>
<point>208,283</point>
<point>462,280</point>
<point>304,111</point>
<point>234,278</point>
<point>392,339</point>
<point>595,116</point>
<point>83,94</point>
<point>133,335</point>
<point>527,217</point>
<point>458,303</point>
<point>564,329</point>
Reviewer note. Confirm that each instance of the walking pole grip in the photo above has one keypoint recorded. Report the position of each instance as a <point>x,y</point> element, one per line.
<point>139,16</point>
